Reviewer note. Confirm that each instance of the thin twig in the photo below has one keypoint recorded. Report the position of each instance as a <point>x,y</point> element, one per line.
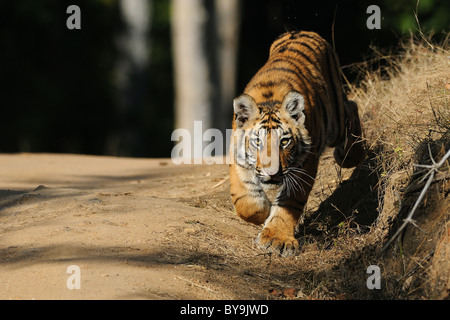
<point>418,265</point>
<point>433,169</point>
<point>332,27</point>
<point>221,182</point>
<point>418,25</point>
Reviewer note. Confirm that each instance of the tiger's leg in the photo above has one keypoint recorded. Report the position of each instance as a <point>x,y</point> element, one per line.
<point>277,236</point>
<point>249,199</point>
<point>351,151</point>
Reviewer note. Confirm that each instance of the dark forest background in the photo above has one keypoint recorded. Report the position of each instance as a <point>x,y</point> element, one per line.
<point>58,92</point>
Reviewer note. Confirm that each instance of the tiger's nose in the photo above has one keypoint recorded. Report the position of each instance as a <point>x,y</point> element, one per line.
<point>270,171</point>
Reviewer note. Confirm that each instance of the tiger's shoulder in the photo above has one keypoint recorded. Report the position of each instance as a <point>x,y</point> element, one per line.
<point>298,60</point>
<point>310,39</point>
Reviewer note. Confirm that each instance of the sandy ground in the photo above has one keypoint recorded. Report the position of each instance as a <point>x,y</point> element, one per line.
<point>149,229</point>
<point>126,223</point>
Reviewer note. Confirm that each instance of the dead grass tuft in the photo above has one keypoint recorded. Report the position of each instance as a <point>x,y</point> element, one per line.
<point>406,116</point>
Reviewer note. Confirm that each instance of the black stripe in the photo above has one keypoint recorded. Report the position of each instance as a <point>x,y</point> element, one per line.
<point>239,198</point>
<point>296,64</point>
<point>268,94</point>
<point>281,36</point>
<point>289,37</point>
<point>298,52</point>
<point>320,83</point>
<point>298,36</point>
<point>316,38</point>
<point>265,121</point>
<point>301,77</point>
<point>283,78</point>
<point>291,80</point>
<point>293,35</point>
<point>264,84</point>
<point>258,212</point>
<point>258,193</point>
<point>281,43</point>
<point>268,84</point>
<point>269,103</point>
<point>276,120</point>
<point>290,131</point>
<point>292,63</point>
<point>250,182</point>
<point>304,44</point>
<point>297,74</point>
<point>245,166</point>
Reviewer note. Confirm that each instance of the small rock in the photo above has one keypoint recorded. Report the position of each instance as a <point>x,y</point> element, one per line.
<point>40,187</point>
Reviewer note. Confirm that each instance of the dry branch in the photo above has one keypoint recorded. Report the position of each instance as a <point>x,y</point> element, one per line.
<point>433,169</point>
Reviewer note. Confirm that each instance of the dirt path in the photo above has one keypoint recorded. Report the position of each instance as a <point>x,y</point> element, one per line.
<point>148,229</point>
<point>125,223</point>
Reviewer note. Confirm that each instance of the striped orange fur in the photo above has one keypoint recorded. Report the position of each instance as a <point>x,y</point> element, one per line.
<point>290,111</point>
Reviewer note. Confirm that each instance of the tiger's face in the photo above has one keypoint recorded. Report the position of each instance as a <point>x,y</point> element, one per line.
<point>275,139</point>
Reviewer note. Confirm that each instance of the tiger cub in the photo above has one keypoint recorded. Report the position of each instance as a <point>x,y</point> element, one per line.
<point>290,111</point>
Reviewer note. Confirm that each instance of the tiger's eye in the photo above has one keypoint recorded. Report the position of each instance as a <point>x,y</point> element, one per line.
<point>285,142</point>
<point>256,142</point>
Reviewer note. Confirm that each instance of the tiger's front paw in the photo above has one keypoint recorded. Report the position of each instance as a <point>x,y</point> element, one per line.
<point>276,242</point>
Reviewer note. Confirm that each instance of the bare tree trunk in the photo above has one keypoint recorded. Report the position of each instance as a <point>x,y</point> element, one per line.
<point>131,71</point>
<point>192,73</point>
<point>205,42</point>
<point>227,23</point>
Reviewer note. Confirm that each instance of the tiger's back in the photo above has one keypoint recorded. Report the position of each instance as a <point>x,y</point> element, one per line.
<point>297,97</point>
<point>304,62</point>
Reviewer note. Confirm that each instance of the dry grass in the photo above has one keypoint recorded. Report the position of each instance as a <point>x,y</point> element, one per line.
<point>406,115</point>
<point>350,213</point>
<point>409,102</point>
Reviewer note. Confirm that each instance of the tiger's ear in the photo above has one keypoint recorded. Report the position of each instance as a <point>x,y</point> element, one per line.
<point>294,104</point>
<point>244,109</point>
